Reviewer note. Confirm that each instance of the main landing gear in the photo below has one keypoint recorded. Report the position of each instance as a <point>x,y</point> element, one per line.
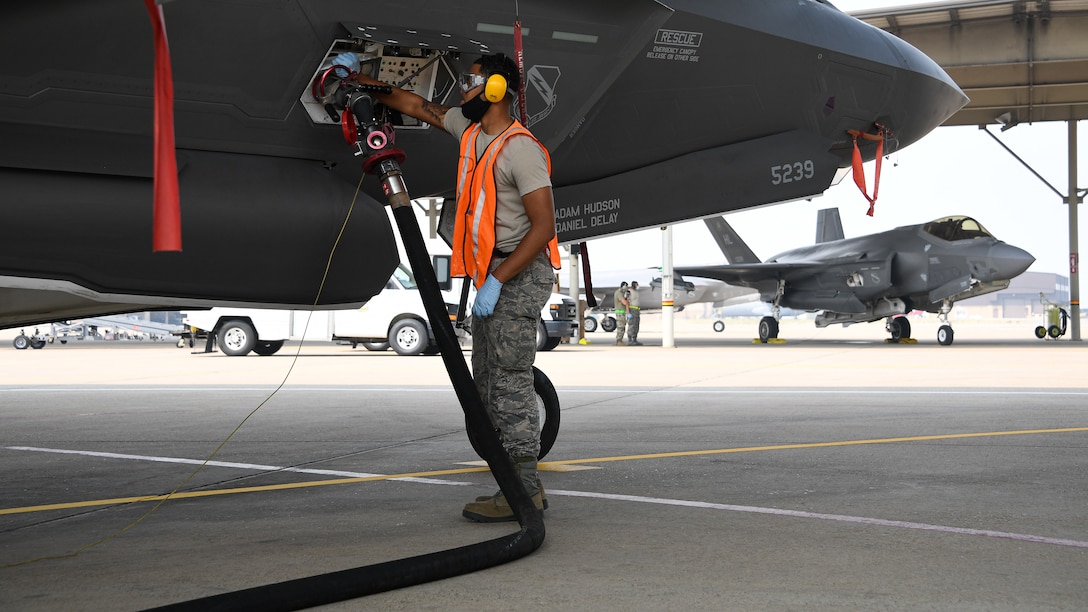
<point>768,326</point>
<point>768,329</point>
<point>899,328</point>
<point>23,341</point>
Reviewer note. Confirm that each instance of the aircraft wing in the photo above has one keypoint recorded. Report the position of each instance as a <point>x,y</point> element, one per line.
<point>754,275</point>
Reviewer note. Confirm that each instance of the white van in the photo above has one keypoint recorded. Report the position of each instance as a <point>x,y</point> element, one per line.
<point>395,318</point>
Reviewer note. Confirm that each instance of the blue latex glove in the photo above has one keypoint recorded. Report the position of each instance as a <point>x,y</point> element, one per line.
<point>630,316</point>
<point>346,59</point>
<point>486,297</point>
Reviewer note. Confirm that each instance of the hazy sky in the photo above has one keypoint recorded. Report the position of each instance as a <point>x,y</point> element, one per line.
<point>953,170</point>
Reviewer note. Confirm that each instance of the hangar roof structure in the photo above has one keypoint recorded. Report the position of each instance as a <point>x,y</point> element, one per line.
<point>1020,61</point>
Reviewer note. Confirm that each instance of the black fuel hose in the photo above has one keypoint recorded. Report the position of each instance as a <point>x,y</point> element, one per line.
<point>337,586</point>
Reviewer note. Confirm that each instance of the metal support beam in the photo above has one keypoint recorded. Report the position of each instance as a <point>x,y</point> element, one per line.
<point>1073,200</point>
<point>1074,256</point>
<point>574,289</point>
<point>667,310</point>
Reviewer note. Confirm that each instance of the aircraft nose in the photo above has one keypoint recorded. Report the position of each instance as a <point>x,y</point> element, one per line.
<point>1008,261</point>
<point>924,95</point>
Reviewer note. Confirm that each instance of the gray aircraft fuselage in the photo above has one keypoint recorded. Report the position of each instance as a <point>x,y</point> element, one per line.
<point>685,291</point>
<point>867,278</point>
<point>653,114</point>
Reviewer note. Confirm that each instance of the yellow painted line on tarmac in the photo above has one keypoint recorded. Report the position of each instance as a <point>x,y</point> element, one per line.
<point>751,449</point>
<point>546,465</point>
<point>212,492</point>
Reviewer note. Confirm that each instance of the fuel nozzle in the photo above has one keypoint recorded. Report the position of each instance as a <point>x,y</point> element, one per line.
<point>363,128</point>
<point>367,131</point>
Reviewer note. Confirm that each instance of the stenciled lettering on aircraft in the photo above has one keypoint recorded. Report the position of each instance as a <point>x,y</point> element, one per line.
<point>676,46</point>
<point>601,213</point>
<point>792,172</point>
<point>679,37</point>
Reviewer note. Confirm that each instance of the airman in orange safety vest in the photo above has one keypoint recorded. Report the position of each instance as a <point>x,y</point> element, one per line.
<point>504,240</point>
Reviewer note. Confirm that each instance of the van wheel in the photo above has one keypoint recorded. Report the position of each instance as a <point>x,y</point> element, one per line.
<point>543,342</point>
<point>237,338</point>
<point>408,337</point>
<point>547,402</point>
<point>267,347</point>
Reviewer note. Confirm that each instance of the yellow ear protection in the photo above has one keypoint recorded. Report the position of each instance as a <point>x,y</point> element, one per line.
<point>495,88</point>
<point>499,82</point>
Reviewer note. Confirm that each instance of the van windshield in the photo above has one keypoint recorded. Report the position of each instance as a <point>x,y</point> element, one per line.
<point>404,277</point>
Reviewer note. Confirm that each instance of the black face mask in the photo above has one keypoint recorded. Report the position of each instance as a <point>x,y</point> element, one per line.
<point>474,109</point>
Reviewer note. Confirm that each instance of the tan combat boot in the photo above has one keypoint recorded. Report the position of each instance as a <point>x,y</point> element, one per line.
<point>495,508</point>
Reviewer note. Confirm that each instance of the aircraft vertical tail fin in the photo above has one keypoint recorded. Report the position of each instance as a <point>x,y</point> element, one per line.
<point>734,249</point>
<point>828,225</point>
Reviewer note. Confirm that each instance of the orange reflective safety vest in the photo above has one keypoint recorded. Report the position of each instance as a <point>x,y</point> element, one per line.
<point>474,226</point>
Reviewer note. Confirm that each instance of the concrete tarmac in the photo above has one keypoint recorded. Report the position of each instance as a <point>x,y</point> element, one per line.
<point>834,471</point>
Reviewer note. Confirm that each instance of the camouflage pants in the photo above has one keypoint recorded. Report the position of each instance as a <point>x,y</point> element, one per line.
<point>621,324</point>
<point>632,328</point>
<point>503,352</point>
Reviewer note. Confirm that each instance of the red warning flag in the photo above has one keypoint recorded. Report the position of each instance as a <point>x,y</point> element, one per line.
<point>859,171</point>
<point>166,219</point>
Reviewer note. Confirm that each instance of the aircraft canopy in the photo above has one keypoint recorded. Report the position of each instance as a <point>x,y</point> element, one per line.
<point>956,228</point>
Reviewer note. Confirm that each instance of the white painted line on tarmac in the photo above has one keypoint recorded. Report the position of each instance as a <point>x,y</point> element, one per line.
<point>228,464</point>
<point>842,518</point>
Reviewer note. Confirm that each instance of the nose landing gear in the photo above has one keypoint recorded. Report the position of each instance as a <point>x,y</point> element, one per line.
<point>944,332</point>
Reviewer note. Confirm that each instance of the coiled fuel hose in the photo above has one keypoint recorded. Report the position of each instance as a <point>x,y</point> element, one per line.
<point>346,584</point>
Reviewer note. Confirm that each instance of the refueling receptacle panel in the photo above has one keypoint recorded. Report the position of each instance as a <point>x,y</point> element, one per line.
<point>413,69</point>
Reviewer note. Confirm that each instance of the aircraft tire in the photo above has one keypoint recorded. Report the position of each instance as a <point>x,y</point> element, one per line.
<point>945,335</point>
<point>237,338</point>
<point>900,329</point>
<point>1040,332</point>
<point>768,329</point>
<point>589,324</point>
<point>548,403</point>
<point>36,344</point>
<point>375,346</point>
<point>608,324</point>
<point>267,347</point>
<point>1054,331</point>
<point>21,342</point>
<point>408,337</point>
<point>719,326</point>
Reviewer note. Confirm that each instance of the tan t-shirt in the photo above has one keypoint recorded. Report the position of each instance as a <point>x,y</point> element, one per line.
<point>521,168</point>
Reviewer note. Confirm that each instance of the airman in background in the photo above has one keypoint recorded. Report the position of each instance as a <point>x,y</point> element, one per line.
<point>619,301</point>
<point>634,313</point>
